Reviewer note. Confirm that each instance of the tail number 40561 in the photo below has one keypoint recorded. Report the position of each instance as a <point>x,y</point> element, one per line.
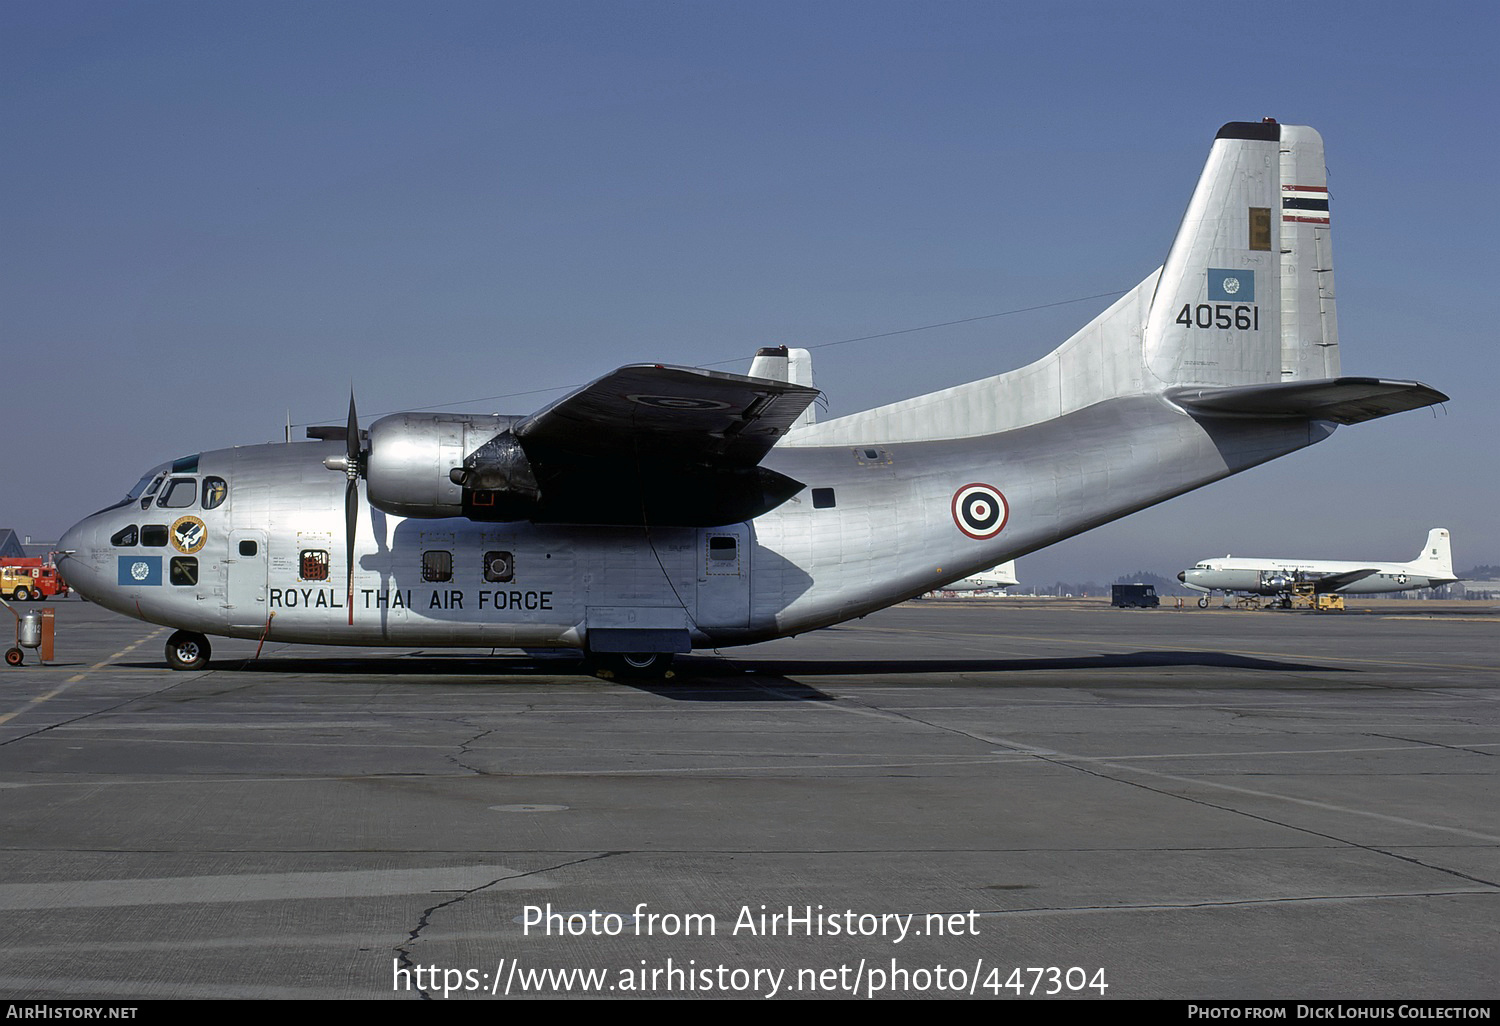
<point>1245,317</point>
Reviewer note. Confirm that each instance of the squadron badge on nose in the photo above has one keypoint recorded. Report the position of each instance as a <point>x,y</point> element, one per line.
<point>188,535</point>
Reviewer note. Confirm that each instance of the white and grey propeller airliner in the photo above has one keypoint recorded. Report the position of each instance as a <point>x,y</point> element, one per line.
<point>993,579</point>
<point>661,509</point>
<point>1252,575</point>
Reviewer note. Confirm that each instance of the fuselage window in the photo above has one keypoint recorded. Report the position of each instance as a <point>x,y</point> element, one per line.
<point>723,549</point>
<point>823,498</point>
<point>124,536</point>
<point>248,548</point>
<point>154,535</point>
<point>437,565</point>
<point>215,489</point>
<point>314,563</point>
<point>499,567</point>
<point>183,571</point>
<point>181,493</point>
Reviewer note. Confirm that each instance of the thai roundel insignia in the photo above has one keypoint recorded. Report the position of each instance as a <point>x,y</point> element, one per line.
<point>980,511</point>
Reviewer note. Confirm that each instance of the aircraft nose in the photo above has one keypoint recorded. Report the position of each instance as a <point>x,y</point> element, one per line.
<point>75,539</point>
<point>73,556</point>
<point>1182,577</point>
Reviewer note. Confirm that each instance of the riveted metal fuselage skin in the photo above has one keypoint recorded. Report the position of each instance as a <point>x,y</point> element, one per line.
<point>890,532</point>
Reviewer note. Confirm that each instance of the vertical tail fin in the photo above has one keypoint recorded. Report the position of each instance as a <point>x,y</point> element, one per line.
<point>1239,322</point>
<point>1246,295</point>
<point>1436,557</point>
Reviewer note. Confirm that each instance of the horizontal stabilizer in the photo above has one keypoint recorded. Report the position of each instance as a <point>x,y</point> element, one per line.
<point>1341,400</point>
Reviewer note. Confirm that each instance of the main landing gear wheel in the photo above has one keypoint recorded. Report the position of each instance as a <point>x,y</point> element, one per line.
<point>14,656</point>
<point>634,665</point>
<point>187,651</point>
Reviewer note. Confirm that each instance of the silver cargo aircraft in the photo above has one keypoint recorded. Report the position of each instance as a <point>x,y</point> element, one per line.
<point>661,509</point>
<point>1250,575</point>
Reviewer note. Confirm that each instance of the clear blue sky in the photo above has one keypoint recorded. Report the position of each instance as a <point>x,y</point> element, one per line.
<point>214,213</point>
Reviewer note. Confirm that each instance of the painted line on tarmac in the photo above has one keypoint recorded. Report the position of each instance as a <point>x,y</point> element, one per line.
<point>7,717</point>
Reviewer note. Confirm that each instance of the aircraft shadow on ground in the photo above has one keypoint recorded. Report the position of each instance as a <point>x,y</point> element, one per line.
<point>1118,661</point>
<point>698,679</point>
<point>706,678</point>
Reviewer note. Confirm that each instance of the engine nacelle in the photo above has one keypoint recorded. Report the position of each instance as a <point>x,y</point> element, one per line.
<point>434,465</point>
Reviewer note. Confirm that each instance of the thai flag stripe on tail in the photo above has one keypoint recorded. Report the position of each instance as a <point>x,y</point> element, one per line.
<point>1304,203</point>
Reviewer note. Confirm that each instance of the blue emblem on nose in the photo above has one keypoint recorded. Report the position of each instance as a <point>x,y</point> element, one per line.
<point>140,570</point>
<point>1229,286</point>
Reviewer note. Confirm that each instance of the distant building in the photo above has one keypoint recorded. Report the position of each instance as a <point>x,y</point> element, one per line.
<point>1482,590</point>
<point>10,545</point>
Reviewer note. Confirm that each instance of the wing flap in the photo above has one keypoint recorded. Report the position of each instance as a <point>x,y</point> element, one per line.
<point>1341,400</point>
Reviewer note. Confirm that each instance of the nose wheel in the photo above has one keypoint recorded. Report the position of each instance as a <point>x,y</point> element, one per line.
<point>187,650</point>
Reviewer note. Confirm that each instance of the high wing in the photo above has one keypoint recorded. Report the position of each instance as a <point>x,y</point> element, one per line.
<point>1341,400</point>
<point>662,445</point>
<point>668,416</point>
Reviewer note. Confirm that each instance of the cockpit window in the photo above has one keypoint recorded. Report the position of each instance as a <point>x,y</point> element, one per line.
<point>151,489</point>
<point>125,536</point>
<point>180,493</point>
<point>151,477</point>
<point>140,486</point>
<point>215,489</point>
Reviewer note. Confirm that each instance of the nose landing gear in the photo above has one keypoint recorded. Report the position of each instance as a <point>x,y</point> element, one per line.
<point>187,650</point>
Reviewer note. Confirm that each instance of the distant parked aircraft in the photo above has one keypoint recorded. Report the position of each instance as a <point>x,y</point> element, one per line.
<point>1002,576</point>
<point>1432,567</point>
